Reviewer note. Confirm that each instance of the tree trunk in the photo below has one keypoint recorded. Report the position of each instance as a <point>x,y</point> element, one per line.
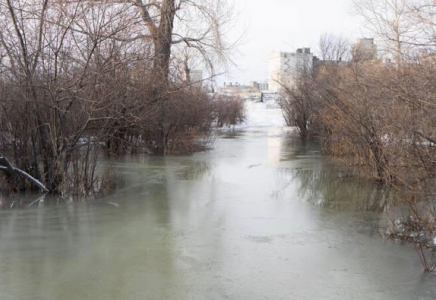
<point>161,66</point>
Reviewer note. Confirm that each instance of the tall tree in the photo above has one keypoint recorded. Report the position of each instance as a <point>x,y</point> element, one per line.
<point>196,24</point>
<point>390,21</point>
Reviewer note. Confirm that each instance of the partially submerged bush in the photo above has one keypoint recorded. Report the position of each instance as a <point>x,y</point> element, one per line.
<point>76,70</point>
<point>229,110</point>
<point>188,121</point>
<point>421,233</point>
<point>379,118</point>
<point>300,106</point>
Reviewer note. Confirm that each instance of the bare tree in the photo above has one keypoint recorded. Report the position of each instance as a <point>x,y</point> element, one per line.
<point>180,24</point>
<point>199,25</point>
<point>423,13</point>
<point>334,48</point>
<point>380,119</point>
<point>300,105</point>
<point>390,21</point>
<point>75,75</point>
<point>56,54</point>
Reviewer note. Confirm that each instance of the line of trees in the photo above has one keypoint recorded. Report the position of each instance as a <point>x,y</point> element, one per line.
<point>379,115</point>
<point>78,76</point>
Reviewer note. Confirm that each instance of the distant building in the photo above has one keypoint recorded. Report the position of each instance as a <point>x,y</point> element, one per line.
<point>196,78</point>
<point>244,91</point>
<point>286,67</point>
<point>260,86</point>
<point>364,50</point>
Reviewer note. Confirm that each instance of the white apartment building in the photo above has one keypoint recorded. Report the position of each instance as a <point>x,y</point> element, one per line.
<point>286,67</point>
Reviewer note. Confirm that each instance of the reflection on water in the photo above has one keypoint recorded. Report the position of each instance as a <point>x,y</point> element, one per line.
<point>195,171</point>
<point>261,216</point>
<point>330,186</point>
<point>329,189</point>
<point>274,146</point>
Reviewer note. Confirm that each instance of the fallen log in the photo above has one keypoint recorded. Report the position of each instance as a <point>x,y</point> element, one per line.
<point>6,166</point>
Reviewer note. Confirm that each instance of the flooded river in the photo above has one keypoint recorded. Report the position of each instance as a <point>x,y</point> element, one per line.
<point>260,216</point>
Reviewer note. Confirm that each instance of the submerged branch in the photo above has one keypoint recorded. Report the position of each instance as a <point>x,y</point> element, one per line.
<point>6,166</point>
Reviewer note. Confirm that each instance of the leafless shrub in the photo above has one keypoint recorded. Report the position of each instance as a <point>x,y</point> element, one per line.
<point>300,106</point>
<point>420,232</point>
<point>80,76</point>
<point>189,117</point>
<point>380,119</point>
<point>229,110</point>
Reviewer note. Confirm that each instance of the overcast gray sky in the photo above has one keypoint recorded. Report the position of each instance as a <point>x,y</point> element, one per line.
<point>285,25</point>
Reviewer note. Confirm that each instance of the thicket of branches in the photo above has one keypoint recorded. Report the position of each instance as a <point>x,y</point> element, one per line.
<point>80,76</point>
<point>229,110</point>
<point>379,115</point>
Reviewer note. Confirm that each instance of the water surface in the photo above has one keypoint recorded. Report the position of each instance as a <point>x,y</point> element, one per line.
<point>261,216</point>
